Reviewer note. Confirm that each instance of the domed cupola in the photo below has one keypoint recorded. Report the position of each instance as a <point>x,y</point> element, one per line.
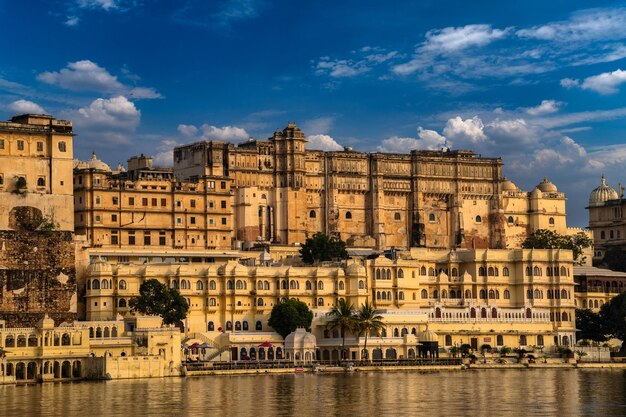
<point>508,185</point>
<point>602,194</point>
<point>546,186</point>
<point>95,163</point>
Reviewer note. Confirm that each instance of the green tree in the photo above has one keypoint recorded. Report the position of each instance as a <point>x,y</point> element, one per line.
<point>547,239</point>
<point>613,318</point>
<point>589,326</point>
<point>157,299</point>
<point>288,315</point>
<point>321,247</point>
<point>368,319</point>
<point>343,317</point>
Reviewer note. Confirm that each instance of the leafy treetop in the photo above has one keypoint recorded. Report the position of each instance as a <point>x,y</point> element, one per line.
<point>288,315</point>
<point>547,239</point>
<point>321,247</point>
<point>157,299</point>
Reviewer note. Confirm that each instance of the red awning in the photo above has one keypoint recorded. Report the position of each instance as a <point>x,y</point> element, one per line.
<point>266,344</point>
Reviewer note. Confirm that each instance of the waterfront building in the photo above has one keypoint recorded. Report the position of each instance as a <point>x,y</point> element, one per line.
<point>500,297</point>
<point>113,349</point>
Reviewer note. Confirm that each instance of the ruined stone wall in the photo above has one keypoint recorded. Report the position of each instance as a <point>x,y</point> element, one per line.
<point>37,276</point>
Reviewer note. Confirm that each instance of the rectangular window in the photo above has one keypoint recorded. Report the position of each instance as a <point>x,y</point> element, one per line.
<point>223,220</point>
<point>223,185</point>
<point>39,146</point>
<point>223,204</point>
<point>193,203</point>
<point>131,237</point>
<point>211,204</point>
<point>146,239</point>
<point>179,203</point>
<point>114,238</point>
<point>193,220</point>
<point>210,221</point>
<point>115,200</point>
<point>179,220</point>
<point>163,202</point>
<point>98,218</point>
<point>162,238</point>
<point>154,202</point>
<point>1,143</point>
<point>211,185</point>
<point>113,217</point>
<point>20,145</point>
<point>144,202</point>
<point>131,201</point>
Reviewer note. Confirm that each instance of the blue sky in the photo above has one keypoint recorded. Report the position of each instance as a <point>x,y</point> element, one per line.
<point>541,84</point>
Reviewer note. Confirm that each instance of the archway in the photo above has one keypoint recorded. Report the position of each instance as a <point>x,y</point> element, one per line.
<point>390,353</point>
<point>66,370</point>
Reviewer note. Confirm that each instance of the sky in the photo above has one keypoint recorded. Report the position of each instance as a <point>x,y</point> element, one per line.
<point>541,84</point>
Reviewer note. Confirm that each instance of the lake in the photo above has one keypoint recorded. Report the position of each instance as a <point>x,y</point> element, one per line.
<point>536,392</point>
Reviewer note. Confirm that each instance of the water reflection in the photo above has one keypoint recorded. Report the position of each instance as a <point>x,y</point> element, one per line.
<point>477,393</point>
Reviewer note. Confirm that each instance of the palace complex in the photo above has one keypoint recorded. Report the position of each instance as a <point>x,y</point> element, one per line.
<point>224,225</point>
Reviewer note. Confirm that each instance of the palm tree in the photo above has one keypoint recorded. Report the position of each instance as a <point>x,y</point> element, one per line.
<point>368,319</point>
<point>342,317</point>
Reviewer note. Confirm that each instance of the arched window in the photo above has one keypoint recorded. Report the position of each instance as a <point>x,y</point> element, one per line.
<point>482,271</point>
<point>388,273</point>
<point>308,285</point>
<point>564,272</point>
<point>312,214</point>
<point>397,216</point>
<point>320,302</point>
<point>423,271</point>
<point>230,285</point>
<point>468,294</point>
<point>490,271</point>
<point>266,285</point>
<point>549,271</point>
<point>529,294</point>
<point>105,284</point>
<point>212,285</point>
<point>538,295</point>
<point>507,295</point>
<point>284,284</point>
<point>483,294</point>
<point>453,294</point>
<point>510,220</point>
<point>602,235</point>
<point>435,294</point>
<point>537,271</point>
<point>239,285</point>
<point>199,285</point>
<point>122,303</point>
<point>361,284</point>
<point>348,215</point>
<point>62,146</point>
<point>259,325</point>
<point>237,325</point>
<point>259,302</point>
<point>540,340</point>
<point>499,340</point>
<point>293,285</point>
<point>341,286</point>
<point>564,294</point>
<point>431,272</point>
<point>478,219</point>
<point>212,302</point>
<point>259,285</point>
<point>41,182</point>
<point>522,340</point>
<point>528,271</point>
<point>448,340</point>
<point>229,325</point>
<point>121,284</point>
<point>505,272</point>
<point>551,221</point>
<point>211,326</point>
<point>564,317</point>
<point>424,294</point>
<point>400,273</point>
<point>492,294</point>
<point>444,294</point>
<point>95,284</point>
<point>431,217</point>
<point>401,295</point>
<point>245,325</point>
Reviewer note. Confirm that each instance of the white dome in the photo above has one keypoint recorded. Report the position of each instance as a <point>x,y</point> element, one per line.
<point>602,194</point>
<point>95,163</point>
<point>300,339</point>
<point>508,185</point>
<point>427,336</point>
<point>355,269</point>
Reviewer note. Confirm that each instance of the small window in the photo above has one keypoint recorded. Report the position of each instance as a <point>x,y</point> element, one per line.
<point>397,216</point>
<point>20,145</point>
<point>478,219</point>
<point>510,220</point>
<point>131,201</point>
<point>431,217</point>
<point>1,143</point>
<point>223,204</point>
<point>39,146</point>
<point>41,182</point>
<point>223,220</point>
<point>312,214</point>
<point>62,146</point>
<point>348,215</point>
<point>551,221</point>
<point>115,200</point>
<point>192,220</point>
<point>144,202</point>
<point>193,203</point>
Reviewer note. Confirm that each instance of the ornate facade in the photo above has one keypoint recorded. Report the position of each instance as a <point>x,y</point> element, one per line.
<point>515,297</point>
<point>606,218</point>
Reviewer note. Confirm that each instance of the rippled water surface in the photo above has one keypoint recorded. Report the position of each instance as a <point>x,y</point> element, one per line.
<point>468,393</point>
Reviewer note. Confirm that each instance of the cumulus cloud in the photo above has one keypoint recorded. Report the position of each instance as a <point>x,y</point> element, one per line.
<point>25,106</point>
<point>467,132</point>
<point>546,107</point>
<point>451,39</point>
<point>318,126</point>
<point>569,83</point>
<point>323,143</point>
<point>225,133</point>
<point>165,153</point>
<point>187,130</point>
<point>86,75</point>
<point>426,140</point>
<point>99,4</point>
<point>115,119</point>
<point>605,83</point>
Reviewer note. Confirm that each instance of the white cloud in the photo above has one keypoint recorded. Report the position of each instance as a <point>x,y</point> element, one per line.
<point>72,21</point>
<point>165,153</point>
<point>187,130</point>
<point>86,75</point>
<point>323,143</point>
<point>451,39</point>
<point>605,83</point>
<point>427,139</point>
<point>225,133</point>
<point>585,25</point>
<point>98,4</point>
<point>546,107</point>
<point>466,132</point>
<point>365,59</point>
<point>562,120</point>
<point>114,119</point>
<point>25,106</point>
<point>217,15</point>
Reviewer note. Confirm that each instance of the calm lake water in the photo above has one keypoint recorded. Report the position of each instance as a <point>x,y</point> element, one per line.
<point>469,393</point>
